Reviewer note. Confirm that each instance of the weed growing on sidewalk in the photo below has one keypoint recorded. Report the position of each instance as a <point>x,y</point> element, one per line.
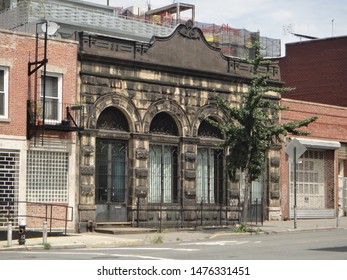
<point>158,239</point>
<point>47,246</point>
<point>244,228</point>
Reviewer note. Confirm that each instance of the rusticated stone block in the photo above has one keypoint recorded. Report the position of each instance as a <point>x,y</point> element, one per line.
<point>275,162</point>
<point>275,194</point>
<point>87,189</point>
<point>234,194</point>
<point>87,170</point>
<point>190,174</point>
<point>274,178</point>
<point>88,150</point>
<point>141,172</point>
<point>191,157</point>
<point>141,153</point>
<point>141,192</point>
<point>190,194</point>
<point>189,216</point>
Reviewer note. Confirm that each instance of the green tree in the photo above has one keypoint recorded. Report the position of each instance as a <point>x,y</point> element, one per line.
<point>255,127</point>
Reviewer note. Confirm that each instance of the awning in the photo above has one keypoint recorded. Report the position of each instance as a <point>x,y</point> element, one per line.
<point>319,144</point>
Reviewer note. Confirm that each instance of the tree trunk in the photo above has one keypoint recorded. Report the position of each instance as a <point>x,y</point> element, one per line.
<point>248,185</point>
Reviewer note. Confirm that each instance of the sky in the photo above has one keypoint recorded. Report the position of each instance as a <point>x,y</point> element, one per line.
<point>272,18</point>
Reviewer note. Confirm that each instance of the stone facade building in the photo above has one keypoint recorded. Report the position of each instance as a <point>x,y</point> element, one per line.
<point>147,154</point>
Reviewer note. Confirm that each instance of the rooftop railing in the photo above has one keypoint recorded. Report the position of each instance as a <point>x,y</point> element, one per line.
<point>20,16</point>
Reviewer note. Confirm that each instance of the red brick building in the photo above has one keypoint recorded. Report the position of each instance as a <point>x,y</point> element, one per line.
<point>37,160</point>
<point>317,71</point>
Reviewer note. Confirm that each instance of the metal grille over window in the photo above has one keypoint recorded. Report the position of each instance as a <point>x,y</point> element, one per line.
<point>9,183</point>
<point>111,170</point>
<point>209,176</point>
<point>47,176</point>
<point>112,119</point>
<point>163,172</point>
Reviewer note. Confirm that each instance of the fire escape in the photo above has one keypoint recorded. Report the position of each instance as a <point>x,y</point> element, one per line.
<point>39,106</point>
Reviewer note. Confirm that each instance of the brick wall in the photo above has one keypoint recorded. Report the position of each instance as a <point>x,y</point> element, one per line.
<point>55,214</point>
<point>331,125</point>
<point>16,49</point>
<point>317,70</point>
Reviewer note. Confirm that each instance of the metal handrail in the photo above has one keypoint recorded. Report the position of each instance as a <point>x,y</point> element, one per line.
<point>13,206</point>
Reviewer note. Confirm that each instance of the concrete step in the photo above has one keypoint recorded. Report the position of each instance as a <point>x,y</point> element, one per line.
<point>124,230</point>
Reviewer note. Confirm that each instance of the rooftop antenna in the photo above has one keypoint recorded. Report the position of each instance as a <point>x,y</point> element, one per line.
<point>149,5</point>
<point>332,28</point>
<point>288,29</point>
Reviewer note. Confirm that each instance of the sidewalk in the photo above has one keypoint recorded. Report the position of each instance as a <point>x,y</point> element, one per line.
<point>138,236</point>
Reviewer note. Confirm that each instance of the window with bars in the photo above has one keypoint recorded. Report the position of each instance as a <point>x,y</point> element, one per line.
<point>47,176</point>
<point>163,174</point>
<point>9,185</point>
<point>3,92</point>
<point>209,181</point>
<point>111,170</point>
<point>9,175</point>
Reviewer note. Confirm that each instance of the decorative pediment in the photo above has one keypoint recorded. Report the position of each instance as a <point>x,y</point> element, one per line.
<point>189,31</point>
<point>186,47</point>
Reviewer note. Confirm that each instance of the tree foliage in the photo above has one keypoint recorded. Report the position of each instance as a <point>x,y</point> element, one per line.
<point>255,126</point>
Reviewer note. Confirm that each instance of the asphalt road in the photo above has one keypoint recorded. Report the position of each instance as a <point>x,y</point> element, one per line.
<point>306,245</point>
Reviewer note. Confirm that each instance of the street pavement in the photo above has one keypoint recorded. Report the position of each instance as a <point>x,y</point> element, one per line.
<point>122,237</point>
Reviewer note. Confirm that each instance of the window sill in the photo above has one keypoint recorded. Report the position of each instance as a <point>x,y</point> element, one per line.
<point>5,120</point>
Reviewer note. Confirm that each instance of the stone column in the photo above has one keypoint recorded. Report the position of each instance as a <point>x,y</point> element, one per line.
<point>274,159</point>
<point>139,178</point>
<point>86,205</point>
<point>188,181</point>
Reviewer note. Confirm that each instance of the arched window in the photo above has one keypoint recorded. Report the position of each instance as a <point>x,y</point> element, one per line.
<point>112,119</point>
<point>163,123</point>
<point>163,162</point>
<point>210,167</point>
<point>208,130</point>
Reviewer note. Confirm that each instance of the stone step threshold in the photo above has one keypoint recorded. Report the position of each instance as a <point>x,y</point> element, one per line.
<point>124,230</point>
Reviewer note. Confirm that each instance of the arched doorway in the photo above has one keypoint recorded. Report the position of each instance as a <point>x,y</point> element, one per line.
<point>111,166</point>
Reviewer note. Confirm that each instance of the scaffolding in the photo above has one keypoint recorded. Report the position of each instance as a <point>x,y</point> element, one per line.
<point>239,42</point>
<point>24,14</point>
<point>132,22</point>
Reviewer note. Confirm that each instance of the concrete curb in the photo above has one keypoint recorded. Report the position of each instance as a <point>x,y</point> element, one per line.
<point>43,247</point>
<point>104,241</point>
